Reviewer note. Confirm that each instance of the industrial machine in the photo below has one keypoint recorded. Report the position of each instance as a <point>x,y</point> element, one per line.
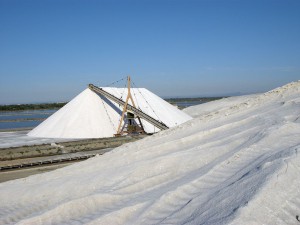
<point>129,113</point>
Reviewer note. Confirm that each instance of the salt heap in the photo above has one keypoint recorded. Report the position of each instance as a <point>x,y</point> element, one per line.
<point>90,115</point>
<point>239,164</point>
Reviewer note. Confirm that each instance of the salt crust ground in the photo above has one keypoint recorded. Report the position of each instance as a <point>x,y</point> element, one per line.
<point>20,138</point>
<point>89,115</point>
<point>235,165</point>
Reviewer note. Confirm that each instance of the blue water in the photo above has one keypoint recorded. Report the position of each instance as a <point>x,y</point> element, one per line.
<point>28,114</point>
<point>13,125</point>
<point>188,103</point>
<point>41,114</point>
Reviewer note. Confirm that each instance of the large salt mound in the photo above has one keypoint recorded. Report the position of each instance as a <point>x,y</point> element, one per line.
<point>89,115</point>
<point>217,105</point>
<point>237,165</point>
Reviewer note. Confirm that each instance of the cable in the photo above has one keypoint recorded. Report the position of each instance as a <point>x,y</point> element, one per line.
<point>108,85</point>
<point>108,114</point>
<point>136,99</point>
<point>147,102</point>
<point>124,90</point>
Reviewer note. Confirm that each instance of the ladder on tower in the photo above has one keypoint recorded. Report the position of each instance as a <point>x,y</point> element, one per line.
<point>131,108</point>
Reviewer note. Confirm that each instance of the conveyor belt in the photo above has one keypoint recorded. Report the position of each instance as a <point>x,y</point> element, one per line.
<point>131,108</point>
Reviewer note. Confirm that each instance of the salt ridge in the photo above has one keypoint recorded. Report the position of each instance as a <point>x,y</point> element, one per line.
<point>236,165</point>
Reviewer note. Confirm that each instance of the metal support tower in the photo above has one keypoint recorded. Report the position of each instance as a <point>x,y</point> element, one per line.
<point>128,108</point>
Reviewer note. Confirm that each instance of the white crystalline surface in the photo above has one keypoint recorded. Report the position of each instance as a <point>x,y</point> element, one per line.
<point>213,106</point>
<point>20,138</point>
<point>89,115</point>
<point>236,165</point>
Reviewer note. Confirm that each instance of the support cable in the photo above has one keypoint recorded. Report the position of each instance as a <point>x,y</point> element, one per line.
<point>137,103</point>
<point>115,82</point>
<point>136,99</point>
<point>122,94</point>
<point>109,85</point>
<point>108,114</point>
<point>147,102</point>
<point>123,90</point>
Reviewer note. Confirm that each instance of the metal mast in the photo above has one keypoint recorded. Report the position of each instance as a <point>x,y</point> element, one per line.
<point>129,96</point>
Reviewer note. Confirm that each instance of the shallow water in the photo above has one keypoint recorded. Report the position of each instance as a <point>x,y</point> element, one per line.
<point>22,119</point>
<point>184,104</point>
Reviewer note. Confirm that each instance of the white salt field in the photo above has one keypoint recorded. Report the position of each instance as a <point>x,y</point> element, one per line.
<point>236,162</point>
<point>132,112</point>
<point>20,138</point>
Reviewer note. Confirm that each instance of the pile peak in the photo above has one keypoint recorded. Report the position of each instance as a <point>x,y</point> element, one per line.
<point>90,115</point>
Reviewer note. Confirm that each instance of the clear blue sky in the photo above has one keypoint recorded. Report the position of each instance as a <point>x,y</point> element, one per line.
<point>51,49</point>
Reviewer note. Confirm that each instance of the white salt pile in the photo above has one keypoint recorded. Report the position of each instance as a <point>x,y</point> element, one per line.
<point>239,165</point>
<point>213,106</point>
<point>89,115</point>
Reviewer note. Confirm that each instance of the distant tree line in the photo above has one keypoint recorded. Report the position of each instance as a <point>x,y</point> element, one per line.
<point>203,99</point>
<point>20,107</point>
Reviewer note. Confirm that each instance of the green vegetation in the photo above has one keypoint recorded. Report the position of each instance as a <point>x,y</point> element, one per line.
<point>31,106</point>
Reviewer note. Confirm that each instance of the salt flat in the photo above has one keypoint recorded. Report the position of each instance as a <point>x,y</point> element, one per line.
<point>20,138</point>
<point>235,164</point>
